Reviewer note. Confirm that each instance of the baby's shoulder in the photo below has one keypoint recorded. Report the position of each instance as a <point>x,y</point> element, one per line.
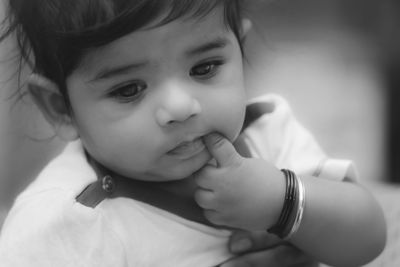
<point>45,213</point>
<point>51,225</point>
<point>49,228</point>
<point>47,208</point>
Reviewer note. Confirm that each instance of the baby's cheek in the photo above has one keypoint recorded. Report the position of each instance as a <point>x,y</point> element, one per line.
<point>233,121</point>
<point>225,111</point>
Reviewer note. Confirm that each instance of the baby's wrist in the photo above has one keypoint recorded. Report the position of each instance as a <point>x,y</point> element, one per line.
<point>277,204</point>
<point>292,209</point>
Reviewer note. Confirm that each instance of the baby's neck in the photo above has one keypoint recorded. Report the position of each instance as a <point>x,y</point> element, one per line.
<point>176,197</point>
<point>182,188</point>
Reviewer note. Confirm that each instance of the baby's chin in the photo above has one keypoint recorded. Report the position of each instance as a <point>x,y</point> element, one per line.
<point>185,171</point>
<point>180,176</point>
<point>170,170</point>
<point>165,178</point>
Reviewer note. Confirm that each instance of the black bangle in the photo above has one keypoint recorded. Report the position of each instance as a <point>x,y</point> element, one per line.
<point>281,227</point>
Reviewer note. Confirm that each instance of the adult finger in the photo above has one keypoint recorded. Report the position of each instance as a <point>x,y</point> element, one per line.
<point>281,256</point>
<point>245,241</point>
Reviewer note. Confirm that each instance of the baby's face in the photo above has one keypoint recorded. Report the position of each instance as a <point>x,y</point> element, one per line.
<point>143,103</point>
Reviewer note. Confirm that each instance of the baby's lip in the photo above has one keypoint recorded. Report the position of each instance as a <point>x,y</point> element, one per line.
<point>187,149</point>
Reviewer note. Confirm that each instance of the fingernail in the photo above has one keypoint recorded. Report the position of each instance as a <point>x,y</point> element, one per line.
<point>241,245</point>
<point>214,136</point>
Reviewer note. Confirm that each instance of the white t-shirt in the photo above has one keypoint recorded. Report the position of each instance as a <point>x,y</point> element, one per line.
<point>48,227</point>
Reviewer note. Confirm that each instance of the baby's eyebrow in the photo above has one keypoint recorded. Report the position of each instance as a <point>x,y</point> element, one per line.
<point>112,71</point>
<point>217,43</point>
<point>109,72</point>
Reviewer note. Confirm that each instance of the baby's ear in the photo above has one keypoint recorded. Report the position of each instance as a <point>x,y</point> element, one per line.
<point>246,27</point>
<point>51,102</point>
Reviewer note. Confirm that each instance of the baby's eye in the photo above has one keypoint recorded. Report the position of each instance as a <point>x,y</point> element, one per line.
<point>206,70</point>
<point>129,91</point>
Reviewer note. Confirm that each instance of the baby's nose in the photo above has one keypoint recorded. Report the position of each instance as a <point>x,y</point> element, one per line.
<point>178,106</point>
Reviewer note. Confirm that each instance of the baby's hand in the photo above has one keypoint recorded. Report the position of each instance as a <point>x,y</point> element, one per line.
<point>245,193</point>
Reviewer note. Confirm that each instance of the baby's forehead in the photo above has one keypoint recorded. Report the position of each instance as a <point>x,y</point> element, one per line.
<point>173,41</point>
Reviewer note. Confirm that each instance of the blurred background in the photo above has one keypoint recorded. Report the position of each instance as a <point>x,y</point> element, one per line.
<point>336,61</point>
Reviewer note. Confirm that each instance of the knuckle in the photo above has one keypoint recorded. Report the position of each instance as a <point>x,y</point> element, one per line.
<point>208,215</point>
<point>203,179</point>
<point>212,216</point>
<point>202,174</point>
<point>200,198</point>
<point>199,180</point>
<point>204,198</point>
<point>217,141</point>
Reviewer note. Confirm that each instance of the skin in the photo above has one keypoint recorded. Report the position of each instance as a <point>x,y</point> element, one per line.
<point>259,249</point>
<point>163,90</point>
<point>154,115</point>
<point>339,216</point>
<point>171,89</point>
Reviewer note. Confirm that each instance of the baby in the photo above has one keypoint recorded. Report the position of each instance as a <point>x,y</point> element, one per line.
<point>151,96</point>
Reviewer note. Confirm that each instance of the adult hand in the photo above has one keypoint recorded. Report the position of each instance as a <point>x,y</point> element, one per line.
<point>259,249</point>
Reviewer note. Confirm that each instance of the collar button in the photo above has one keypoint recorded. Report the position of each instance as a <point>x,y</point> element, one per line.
<point>108,184</point>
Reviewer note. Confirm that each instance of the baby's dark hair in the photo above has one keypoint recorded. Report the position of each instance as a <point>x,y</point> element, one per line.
<point>54,35</point>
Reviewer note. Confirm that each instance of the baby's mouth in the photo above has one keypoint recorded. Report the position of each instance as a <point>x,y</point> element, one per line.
<point>187,149</point>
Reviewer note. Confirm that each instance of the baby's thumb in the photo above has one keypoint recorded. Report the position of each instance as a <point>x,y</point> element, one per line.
<point>221,149</point>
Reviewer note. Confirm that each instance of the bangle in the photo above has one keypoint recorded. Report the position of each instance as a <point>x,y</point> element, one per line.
<point>299,211</point>
<point>286,219</point>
